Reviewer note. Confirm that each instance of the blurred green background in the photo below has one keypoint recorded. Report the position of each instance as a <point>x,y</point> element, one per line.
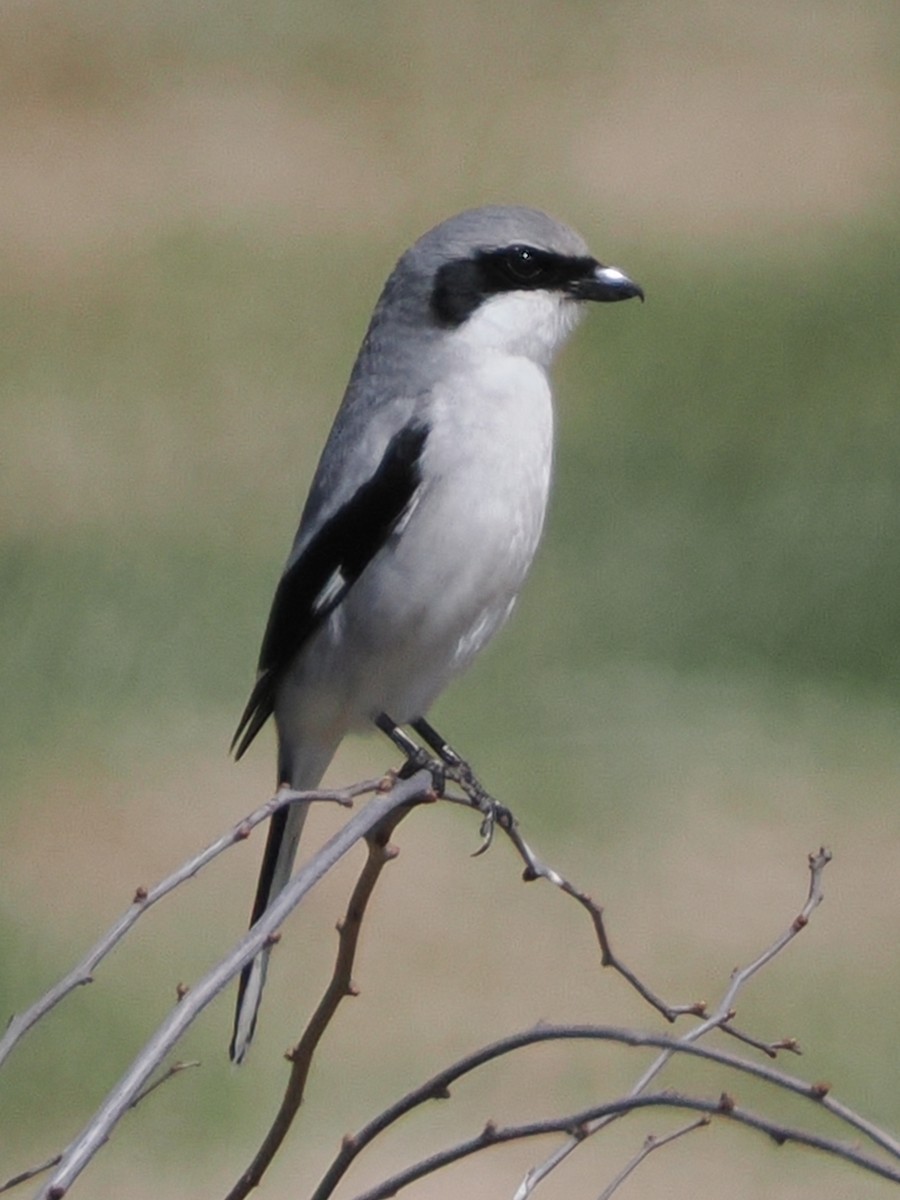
<point>198,206</point>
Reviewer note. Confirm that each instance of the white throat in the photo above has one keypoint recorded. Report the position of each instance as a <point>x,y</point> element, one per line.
<point>533,325</point>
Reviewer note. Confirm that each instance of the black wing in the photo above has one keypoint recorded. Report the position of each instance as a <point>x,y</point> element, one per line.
<point>313,586</point>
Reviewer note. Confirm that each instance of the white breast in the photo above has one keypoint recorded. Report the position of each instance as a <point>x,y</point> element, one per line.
<point>449,577</point>
<point>448,580</point>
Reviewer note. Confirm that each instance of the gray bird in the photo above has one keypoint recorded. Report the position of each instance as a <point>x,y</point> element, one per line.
<point>427,505</point>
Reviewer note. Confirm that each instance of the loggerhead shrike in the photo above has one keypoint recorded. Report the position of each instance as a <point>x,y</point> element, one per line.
<point>426,507</point>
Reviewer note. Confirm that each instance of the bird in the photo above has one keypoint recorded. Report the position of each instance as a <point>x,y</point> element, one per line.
<point>426,507</point>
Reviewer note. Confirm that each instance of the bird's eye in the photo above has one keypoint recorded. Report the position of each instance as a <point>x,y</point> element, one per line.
<point>522,264</point>
<point>519,268</point>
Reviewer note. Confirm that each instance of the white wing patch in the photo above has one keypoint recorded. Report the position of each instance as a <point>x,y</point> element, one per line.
<point>331,592</point>
<point>406,515</point>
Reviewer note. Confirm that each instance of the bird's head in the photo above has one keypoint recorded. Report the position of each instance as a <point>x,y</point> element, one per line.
<point>508,279</point>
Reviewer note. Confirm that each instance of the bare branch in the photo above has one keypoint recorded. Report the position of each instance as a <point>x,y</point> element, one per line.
<point>576,1124</point>
<point>651,1143</point>
<point>75,1158</point>
<point>724,1011</point>
<point>438,1086</point>
<point>340,985</point>
<point>720,1017</point>
<point>498,815</point>
<point>375,824</point>
<point>33,1172</point>
<point>144,899</point>
<point>30,1173</point>
<point>770,1049</point>
<point>170,1072</point>
<point>535,868</point>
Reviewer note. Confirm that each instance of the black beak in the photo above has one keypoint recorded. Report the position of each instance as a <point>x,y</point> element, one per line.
<point>606,284</point>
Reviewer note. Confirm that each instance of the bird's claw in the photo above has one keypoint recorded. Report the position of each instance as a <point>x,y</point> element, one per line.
<point>486,832</point>
<point>494,814</point>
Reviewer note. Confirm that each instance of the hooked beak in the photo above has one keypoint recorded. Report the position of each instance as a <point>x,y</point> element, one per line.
<point>606,284</point>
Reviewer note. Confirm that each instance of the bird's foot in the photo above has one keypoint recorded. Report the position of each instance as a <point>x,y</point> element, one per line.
<point>421,760</point>
<point>458,771</point>
<point>447,767</point>
<point>494,814</point>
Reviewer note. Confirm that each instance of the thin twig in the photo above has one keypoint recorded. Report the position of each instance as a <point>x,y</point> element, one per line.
<point>724,1011</point>
<point>30,1173</point>
<point>75,1158</point>
<point>535,868</point>
<point>175,1069</point>
<point>720,1016</point>
<point>577,1124</point>
<point>145,898</point>
<point>41,1168</point>
<point>651,1143</point>
<point>339,986</point>
<point>770,1049</point>
<point>438,1086</point>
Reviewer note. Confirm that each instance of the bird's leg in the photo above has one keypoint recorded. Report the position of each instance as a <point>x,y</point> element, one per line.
<point>460,771</point>
<point>432,738</point>
<point>417,757</point>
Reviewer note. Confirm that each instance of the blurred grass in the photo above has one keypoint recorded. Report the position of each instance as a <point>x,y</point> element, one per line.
<point>197,210</point>
<point>741,495</point>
